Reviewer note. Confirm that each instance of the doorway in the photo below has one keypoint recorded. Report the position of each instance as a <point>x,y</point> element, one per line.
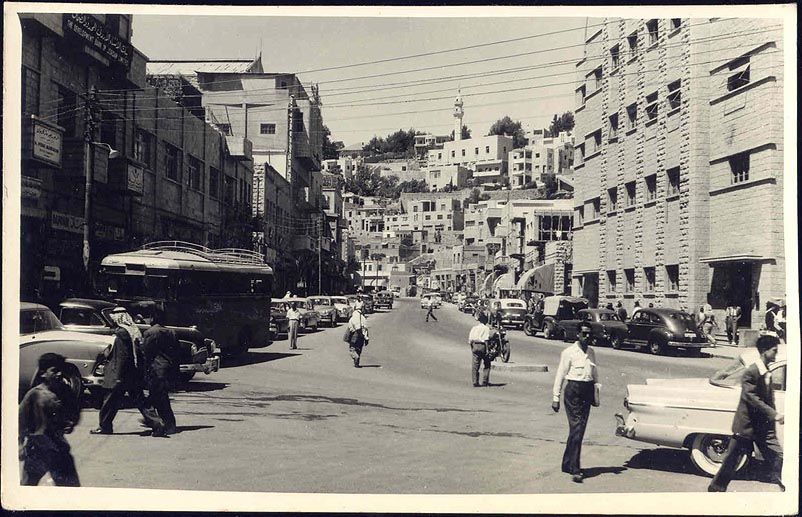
<point>590,288</point>
<point>732,284</point>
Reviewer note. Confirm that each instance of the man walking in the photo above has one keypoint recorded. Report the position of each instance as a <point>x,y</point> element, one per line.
<point>47,412</point>
<point>124,374</point>
<point>755,420</point>
<point>479,341</point>
<point>293,322</point>
<point>358,329</point>
<point>731,316</point>
<point>620,311</point>
<point>430,312</point>
<point>578,369</point>
<point>160,348</point>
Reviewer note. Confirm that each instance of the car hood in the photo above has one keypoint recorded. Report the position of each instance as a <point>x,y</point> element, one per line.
<point>688,393</point>
<point>66,335</point>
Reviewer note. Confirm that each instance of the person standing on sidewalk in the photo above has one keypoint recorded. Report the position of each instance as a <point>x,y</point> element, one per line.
<point>47,412</point>
<point>755,421</point>
<point>161,351</point>
<point>578,369</point>
<point>621,312</point>
<point>479,341</point>
<point>293,322</point>
<point>731,316</point>
<point>359,336</point>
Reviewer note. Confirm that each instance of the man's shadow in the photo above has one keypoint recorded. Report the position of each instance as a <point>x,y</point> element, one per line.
<point>179,429</point>
<point>596,471</point>
<point>370,366</point>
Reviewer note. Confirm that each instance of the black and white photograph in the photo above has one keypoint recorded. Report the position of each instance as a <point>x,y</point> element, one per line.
<point>496,259</point>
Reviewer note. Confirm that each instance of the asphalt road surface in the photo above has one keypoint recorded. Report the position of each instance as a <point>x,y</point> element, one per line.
<point>408,422</point>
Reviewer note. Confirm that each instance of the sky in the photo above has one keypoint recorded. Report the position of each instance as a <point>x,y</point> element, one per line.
<point>540,84</point>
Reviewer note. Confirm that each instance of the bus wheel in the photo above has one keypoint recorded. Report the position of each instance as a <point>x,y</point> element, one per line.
<point>185,377</point>
<point>243,342</point>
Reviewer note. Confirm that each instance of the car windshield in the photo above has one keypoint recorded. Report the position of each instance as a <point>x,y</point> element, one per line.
<point>604,316</point>
<point>38,320</point>
<point>320,301</point>
<point>513,305</point>
<point>339,299</point>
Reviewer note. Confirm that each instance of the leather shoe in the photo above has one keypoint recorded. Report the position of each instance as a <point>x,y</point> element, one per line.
<point>100,430</point>
<point>577,478</point>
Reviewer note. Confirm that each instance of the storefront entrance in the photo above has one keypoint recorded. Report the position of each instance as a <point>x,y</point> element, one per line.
<point>732,283</point>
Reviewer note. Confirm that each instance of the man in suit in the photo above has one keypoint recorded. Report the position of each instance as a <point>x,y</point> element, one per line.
<point>755,420</point>
<point>123,374</point>
<point>161,351</point>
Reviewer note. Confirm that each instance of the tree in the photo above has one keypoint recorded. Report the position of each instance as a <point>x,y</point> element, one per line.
<point>564,122</point>
<point>506,126</point>
<point>330,149</point>
<point>549,186</point>
<point>466,133</point>
<point>412,186</point>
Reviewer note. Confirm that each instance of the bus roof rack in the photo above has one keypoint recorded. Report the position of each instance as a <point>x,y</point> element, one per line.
<point>220,256</point>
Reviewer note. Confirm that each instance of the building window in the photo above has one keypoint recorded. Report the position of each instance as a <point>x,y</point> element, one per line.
<point>67,108</point>
<point>629,277</point>
<point>172,162</point>
<point>632,115</point>
<point>672,278</point>
<point>654,34</point>
<point>580,216</point>
<point>30,91</point>
<point>439,217</point>
<point>428,217</point>
<point>632,41</point>
<point>648,275</point>
<point>439,156</point>
<point>266,129</point>
<point>612,199</point>
<point>740,78</point>
<point>579,154</point>
<point>739,165</point>
<point>676,23</point>
<point>651,187</point>
<point>476,150</point>
<point>453,153</point>
<point>463,152</point>
<point>597,79</point>
<point>651,106</point>
<point>595,140</point>
<point>630,193</point>
<point>613,128</point>
<point>673,181</point>
<point>487,149</point>
<point>615,56</point>
<point>194,173</point>
<point>595,207</point>
<point>214,183</point>
<point>611,281</point>
<point>143,147</point>
<point>580,95</point>
<point>674,95</point>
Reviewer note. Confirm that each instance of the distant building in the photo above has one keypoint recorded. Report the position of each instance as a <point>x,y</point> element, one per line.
<point>452,176</point>
<point>486,156</point>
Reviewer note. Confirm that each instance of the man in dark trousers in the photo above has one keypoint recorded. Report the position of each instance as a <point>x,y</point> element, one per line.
<point>124,374</point>
<point>620,311</point>
<point>479,341</point>
<point>430,312</point>
<point>755,420</point>
<point>47,412</point>
<point>161,352</point>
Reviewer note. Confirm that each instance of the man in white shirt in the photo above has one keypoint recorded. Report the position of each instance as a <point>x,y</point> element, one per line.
<point>293,321</point>
<point>478,340</point>
<point>358,325</point>
<point>578,369</point>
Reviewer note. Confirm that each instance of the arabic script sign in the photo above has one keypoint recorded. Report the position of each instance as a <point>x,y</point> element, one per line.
<point>46,143</point>
<point>93,33</point>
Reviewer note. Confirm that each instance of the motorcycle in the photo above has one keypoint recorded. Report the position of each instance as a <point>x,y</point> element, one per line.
<point>499,345</point>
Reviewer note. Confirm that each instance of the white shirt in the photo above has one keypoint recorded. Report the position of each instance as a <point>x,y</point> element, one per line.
<point>358,321</point>
<point>480,332</point>
<point>575,365</point>
<point>294,314</point>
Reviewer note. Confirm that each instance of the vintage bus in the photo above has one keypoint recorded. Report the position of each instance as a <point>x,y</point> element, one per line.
<point>224,292</point>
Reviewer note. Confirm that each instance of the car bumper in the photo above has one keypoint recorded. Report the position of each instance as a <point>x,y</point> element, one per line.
<point>512,321</point>
<point>688,344</point>
<point>622,428</point>
<point>212,364</point>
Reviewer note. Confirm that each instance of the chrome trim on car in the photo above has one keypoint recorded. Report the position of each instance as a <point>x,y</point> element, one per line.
<point>671,406</point>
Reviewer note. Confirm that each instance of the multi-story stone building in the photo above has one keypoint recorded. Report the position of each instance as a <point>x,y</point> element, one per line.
<point>154,170</point>
<point>447,176</point>
<point>679,164</point>
<point>486,156</point>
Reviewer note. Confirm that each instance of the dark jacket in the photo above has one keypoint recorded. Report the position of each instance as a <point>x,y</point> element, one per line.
<point>621,313</point>
<point>120,366</point>
<point>161,351</point>
<point>755,413</point>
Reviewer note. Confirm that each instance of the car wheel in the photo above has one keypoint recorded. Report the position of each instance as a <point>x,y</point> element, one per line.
<point>529,329</point>
<point>616,341</point>
<point>695,352</point>
<point>707,453</point>
<point>655,347</point>
<point>73,379</point>
<point>548,331</point>
<point>185,377</point>
<point>505,353</point>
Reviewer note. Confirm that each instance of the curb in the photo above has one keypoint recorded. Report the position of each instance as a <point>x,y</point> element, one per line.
<point>520,367</point>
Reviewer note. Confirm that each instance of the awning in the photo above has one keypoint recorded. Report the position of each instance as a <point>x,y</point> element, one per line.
<point>487,285</point>
<point>505,281</point>
<point>540,278</point>
<point>736,257</point>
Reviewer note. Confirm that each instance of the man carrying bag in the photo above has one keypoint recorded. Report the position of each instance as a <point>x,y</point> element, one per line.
<point>357,334</point>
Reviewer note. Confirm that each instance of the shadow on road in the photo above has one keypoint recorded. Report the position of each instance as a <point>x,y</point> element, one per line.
<point>370,366</point>
<point>664,460</point>
<point>495,384</point>
<point>201,386</point>
<point>596,471</point>
<point>249,358</point>
<point>182,428</point>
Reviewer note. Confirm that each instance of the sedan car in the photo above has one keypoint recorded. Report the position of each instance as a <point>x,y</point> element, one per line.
<point>383,299</point>
<point>432,299</point>
<point>661,329</point>
<point>325,307</point>
<point>42,332</point>
<point>278,317</point>
<point>550,311</point>
<point>310,318</point>
<point>694,414</point>
<point>367,303</point>
<point>605,327</point>
<point>343,307</point>
<point>467,304</point>
<point>512,311</point>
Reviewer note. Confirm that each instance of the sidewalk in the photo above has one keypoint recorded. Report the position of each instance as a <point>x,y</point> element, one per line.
<point>724,349</point>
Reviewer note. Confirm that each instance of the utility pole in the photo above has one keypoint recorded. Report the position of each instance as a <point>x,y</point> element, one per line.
<point>319,264</point>
<point>89,133</point>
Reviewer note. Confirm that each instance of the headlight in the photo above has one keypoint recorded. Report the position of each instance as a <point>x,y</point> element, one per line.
<point>210,345</point>
<point>99,369</point>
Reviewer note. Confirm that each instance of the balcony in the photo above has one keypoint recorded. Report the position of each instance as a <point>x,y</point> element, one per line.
<point>303,243</point>
<point>493,213</point>
<point>239,147</point>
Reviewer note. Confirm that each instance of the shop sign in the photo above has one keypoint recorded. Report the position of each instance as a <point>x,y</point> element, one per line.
<point>66,222</point>
<point>91,32</point>
<point>46,143</point>
<point>109,232</point>
<point>136,179</point>
<point>31,187</point>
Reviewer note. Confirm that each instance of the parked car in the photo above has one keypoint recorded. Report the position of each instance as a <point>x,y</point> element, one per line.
<point>661,329</point>
<point>344,309</point>
<point>694,414</point>
<point>432,299</point>
<point>513,312</point>
<point>467,304</point>
<point>383,299</point>
<point>42,332</point>
<point>310,318</point>
<point>481,305</point>
<point>325,307</point>
<point>367,303</point>
<point>550,311</point>
<point>605,327</point>
<point>278,317</point>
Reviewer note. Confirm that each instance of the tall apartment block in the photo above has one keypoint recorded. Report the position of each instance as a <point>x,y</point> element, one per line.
<point>679,164</point>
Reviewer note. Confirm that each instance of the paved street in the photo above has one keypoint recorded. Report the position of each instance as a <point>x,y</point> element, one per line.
<point>408,422</point>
